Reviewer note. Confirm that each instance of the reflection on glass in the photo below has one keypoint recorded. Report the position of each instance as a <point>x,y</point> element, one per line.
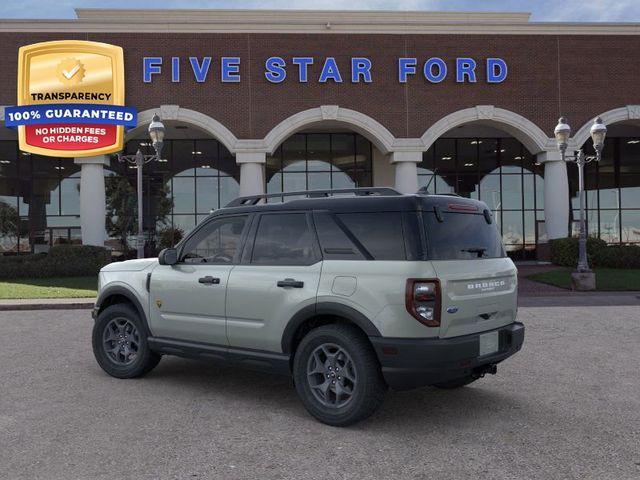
<point>630,226</point>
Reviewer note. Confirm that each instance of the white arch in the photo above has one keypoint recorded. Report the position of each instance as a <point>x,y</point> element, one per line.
<point>630,112</point>
<point>382,138</point>
<point>531,136</point>
<point>200,120</point>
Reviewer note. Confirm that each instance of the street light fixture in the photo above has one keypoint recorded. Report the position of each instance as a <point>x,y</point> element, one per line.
<point>598,132</point>
<point>156,133</point>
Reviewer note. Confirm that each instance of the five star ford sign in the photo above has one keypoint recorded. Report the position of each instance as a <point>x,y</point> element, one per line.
<point>70,99</point>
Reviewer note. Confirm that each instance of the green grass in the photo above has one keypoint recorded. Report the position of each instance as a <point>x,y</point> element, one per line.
<point>69,287</point>
<point>607,279</point>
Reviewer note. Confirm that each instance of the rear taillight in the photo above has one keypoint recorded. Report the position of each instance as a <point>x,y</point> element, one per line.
<point>423,301</point>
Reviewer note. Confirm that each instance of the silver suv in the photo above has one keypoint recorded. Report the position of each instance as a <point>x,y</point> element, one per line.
<point>349,294</point>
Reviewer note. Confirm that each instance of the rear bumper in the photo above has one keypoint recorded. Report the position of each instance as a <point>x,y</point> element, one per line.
<point>412,363</point>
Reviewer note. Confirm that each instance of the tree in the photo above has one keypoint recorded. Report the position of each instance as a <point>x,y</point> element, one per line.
<point>122,207</point>
<point>9,221</point>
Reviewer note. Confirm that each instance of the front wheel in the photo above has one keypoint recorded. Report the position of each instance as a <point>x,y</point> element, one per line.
<point>337,375</point>
<point>120,345</point>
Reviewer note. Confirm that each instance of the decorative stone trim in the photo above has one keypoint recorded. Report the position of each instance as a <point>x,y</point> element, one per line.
<point>532,136</point>
<point>628,112</point>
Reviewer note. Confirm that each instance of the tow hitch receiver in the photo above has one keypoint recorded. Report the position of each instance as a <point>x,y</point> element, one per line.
<point>483,370</point>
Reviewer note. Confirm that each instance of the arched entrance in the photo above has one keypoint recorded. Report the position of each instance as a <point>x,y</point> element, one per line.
<point>613,185</point>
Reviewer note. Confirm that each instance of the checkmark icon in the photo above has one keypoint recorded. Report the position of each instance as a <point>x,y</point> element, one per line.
<point>71,73</point>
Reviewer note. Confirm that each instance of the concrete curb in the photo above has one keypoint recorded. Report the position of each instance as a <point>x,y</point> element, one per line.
<point>47,304</point>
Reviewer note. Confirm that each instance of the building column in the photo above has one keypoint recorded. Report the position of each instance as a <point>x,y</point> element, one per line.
<point>93,208</point>
<point>251,172</point>
<point>556,194</point>
<point>406,167</point>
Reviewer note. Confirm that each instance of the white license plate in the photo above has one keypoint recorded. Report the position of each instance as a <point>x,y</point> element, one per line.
<point>489,343</point>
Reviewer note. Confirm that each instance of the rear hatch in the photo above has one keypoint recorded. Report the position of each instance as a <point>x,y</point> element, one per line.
<point>478,282</point>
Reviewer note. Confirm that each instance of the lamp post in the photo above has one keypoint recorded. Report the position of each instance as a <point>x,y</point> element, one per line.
<point>156,133</point>
<point>562,133</point>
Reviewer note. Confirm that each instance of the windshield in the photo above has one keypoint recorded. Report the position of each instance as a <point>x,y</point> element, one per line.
<point>461,236</point>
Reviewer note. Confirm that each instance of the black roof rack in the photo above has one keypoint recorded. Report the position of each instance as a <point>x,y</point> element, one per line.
<point>360,192</point>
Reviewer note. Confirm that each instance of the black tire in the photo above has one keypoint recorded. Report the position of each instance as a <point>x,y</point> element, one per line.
<point>455,383</point>
<point>368,389</point>
<point>137,361</point>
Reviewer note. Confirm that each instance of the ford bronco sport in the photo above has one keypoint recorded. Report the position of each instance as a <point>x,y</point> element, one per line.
<point>348,294</point>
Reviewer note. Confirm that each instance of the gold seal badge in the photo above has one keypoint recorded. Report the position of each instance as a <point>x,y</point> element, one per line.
<point>70,71</point>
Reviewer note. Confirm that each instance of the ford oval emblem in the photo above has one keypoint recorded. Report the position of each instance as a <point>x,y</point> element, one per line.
<point>452,309</point>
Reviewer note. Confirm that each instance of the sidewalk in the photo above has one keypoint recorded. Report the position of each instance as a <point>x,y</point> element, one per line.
<point>46,304</point>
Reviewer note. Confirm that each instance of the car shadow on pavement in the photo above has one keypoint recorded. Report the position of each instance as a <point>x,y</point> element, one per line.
<point>269,391</point>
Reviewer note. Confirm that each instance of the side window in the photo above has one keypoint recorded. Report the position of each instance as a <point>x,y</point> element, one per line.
<point>217,243</point>
<point>284,239</point>
<point>335,243</point>
<point>380,233</point>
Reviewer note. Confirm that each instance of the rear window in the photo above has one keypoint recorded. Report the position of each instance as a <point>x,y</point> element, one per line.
<point>462,236</point>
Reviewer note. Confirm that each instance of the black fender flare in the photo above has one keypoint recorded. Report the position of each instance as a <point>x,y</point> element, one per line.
<point>122,291</point>
<point>326,308</point>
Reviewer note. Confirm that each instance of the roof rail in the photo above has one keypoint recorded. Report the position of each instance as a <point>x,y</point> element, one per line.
<point>359,192</point>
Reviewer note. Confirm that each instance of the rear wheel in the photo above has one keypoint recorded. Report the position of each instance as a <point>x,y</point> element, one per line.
<point>337,375</point>
<point>456,383</point>
<point>120,345</point>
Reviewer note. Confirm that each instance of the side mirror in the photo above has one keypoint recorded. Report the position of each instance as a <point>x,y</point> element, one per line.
<point>168,256</point>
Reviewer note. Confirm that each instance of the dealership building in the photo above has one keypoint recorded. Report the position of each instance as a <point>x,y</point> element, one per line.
<point>277,101</point>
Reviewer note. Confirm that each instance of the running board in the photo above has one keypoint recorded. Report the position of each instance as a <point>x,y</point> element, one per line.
<point>229,356</point>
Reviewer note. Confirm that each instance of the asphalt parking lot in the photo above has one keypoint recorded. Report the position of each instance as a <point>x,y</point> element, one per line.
<point>568,406</point>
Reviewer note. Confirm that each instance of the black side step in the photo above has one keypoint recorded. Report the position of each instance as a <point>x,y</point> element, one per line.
<point>245,358</point>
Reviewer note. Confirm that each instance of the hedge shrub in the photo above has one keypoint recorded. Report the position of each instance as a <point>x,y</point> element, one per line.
<point>61,261</point>
<point>564,252</point>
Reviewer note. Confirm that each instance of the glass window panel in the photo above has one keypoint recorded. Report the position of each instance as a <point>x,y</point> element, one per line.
<point>274,185</point>
<point>610,226</point>
<point>319,152</point>
<point>512,192</point>
<point>467,186</point>
<point>630,190</point>
<point>631,226</point>
<point>379,233</point>
<point>342,180</point>
<point>426,181</point>
<point>427,161</point>
<point>8,158</point>
<point>229,189</point>
<point>445,156</point>
<point>528,191</point>
<point>293,153</point>
<point>488,155</point>
<point>207,194</point>
<point>467,151</point>
<point>294,182</point>
<point>70,196</point>
<point>206,157</point>
<point>219,244</point>
<point>342,151</point>
<point>490,192</point>
<point>184,222</point>
<point>68,221</point>
<point>511,155</point>
<point>227,164</point>
<point>607,186</point>
<point>182,163</point>
<point>512,229</point>
<point>363,152</point>
<point>319,181</point>
<point>183,195</point>
<point>284,240</point>
<point>629,155</point>
<point>529,228</point>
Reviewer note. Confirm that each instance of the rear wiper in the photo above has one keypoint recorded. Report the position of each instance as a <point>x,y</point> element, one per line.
<point>479,250</point>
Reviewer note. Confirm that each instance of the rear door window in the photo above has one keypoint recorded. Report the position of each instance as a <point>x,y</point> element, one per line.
<point>379,233</point>
<point>462,236</point>
<point>284,239</point>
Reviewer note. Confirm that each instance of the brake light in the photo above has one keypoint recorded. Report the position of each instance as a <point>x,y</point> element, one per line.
<point>422,298</point>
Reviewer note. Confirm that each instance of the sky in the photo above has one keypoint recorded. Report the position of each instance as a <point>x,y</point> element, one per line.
<point>542,10</point>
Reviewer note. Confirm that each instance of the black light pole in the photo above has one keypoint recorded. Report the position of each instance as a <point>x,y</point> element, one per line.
<point>156,133</point>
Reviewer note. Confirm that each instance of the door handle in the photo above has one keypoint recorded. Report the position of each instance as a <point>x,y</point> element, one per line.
<point>208,280</point>
<point>290,282</point>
